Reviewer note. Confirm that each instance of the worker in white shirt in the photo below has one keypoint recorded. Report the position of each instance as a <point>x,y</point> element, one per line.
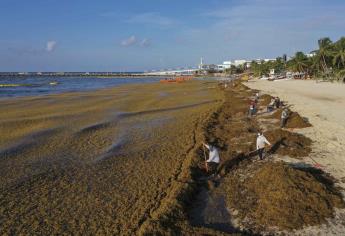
<point>261,142</point>
<point>213,160</point>
<point>270,106</point>
<point>257,97</point>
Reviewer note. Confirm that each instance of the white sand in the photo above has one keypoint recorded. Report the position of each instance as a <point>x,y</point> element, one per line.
<point>324,105</point>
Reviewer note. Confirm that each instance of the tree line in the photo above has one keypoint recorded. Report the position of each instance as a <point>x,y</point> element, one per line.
<point>327,62</point>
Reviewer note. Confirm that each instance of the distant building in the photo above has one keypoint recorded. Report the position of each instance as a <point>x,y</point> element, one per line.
<point>312,54</point>
<point>207,67</point>
<point>201,65</point>
<point>239,62</point>
<point>227,64</point>
<point>224,66</point>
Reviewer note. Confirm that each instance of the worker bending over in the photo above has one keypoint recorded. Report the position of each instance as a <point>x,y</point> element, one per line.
<point>277,102</point>
<point>213,159</point>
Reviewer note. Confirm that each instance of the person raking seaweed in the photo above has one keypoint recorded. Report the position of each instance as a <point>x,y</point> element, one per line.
<point>213,160</point>
<point>261,142</point>
<point>284,117</point>
<point>252,108</point>
<point>277,102</point>
<point>256,97</point>
<point>271,105</point>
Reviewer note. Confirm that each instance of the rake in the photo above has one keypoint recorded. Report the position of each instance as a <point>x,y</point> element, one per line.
<point>316,164</point>
<point>206,167</point>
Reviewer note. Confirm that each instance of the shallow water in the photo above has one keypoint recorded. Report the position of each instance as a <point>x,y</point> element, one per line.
<point>32,86</point>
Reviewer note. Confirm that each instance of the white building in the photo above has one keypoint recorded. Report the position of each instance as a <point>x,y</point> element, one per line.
<point>201,65</point>
<point>267,60</point>
<point>207,67</point>
<point>239,62</point>
<point>224,66</point>
<point>228,64</point>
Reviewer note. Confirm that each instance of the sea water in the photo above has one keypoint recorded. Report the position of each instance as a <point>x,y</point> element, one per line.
<point>33,86</point>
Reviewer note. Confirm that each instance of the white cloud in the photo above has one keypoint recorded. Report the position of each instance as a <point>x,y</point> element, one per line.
<point>145,42</point>
<point>134,41</point>
<point>129,41</point>
<point>27,49</point>
<point>50,46</point>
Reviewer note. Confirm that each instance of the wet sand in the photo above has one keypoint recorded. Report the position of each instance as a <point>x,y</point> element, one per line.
<point>101,162</point>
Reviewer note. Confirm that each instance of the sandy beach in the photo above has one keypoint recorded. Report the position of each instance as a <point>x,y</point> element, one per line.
<point>323,105</point>
<point>169,118</point>
<point>129,161</point>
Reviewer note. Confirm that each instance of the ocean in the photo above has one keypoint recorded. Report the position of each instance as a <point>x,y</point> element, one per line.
<point>33,86</point>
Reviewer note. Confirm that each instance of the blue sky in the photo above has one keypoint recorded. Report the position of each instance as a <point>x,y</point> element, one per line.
<point>113,35</point>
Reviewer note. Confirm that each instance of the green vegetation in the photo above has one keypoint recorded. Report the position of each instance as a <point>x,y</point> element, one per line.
<point>263,68</point>
<point>235,69</point>
<point>326,63</point>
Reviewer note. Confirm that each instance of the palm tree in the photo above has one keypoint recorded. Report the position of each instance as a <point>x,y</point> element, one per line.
<point>323,53</point>
<point>339,53</point>
<point>232,70</point>
<point>255,68</point>
<point>259,69</point>
<point>314,65</point>
<point>299,63</point>
<point>278,65</point>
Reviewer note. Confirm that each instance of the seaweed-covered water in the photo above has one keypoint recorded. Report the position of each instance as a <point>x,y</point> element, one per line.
<point>33,86</point>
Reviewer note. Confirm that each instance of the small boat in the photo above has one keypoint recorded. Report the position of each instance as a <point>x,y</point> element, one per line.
<point>179,79</point>
<point>184,78</point>
<point>53,83</point>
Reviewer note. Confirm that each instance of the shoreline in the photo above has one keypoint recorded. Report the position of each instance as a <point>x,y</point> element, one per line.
<point>198,202</point>
<point>174,199</point>
<point>96,150</point>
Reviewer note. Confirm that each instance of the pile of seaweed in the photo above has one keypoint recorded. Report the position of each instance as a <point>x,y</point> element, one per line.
<point>294,120</point>
<point>288,143</point>
<point>265,99</point>
<point>265,196</point>
<point>278,196</point>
